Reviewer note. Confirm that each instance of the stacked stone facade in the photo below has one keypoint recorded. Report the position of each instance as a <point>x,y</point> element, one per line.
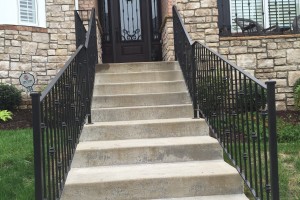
<point>167,35</point>
<point>201,20</point>
<point>269,57</point>
<point>40,51</point>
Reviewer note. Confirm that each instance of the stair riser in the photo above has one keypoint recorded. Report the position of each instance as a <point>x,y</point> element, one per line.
<point>140,100</point>
<point>140,88</point>
<point>155,188</point>
<point>142,113</point>
<point>136,67</point>
<point>140,131</point>
<point>143,155</point>
<point>139,77</point>
<point>213,197</point>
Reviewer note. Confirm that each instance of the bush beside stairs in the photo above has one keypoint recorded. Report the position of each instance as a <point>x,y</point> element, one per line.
<point>144,142</point>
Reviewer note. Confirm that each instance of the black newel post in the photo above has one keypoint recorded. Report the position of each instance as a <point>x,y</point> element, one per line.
<point>37,142</point>
<point>194,84</point>
<point>273,140</point>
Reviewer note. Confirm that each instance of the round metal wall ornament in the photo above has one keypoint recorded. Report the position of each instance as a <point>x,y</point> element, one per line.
<point>27,80</point>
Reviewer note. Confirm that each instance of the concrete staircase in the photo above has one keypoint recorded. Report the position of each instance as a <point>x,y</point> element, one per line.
<point>145,144</point>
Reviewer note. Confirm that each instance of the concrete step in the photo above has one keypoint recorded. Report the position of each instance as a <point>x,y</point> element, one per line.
<point>213,197</point>
<point>136,67</point>
<point>128,100</point>
<point>156,128</point>
<point>142,113</point>
<point>138,77</point>
<point>150,181</point>
<point>140,87</point>
<point>142,151</point>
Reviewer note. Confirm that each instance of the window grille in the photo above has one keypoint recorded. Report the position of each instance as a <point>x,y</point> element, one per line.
<point>27,11</point>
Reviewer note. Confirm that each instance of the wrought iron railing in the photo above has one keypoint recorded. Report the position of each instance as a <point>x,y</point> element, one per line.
<point>258,17</point>
<point>239,109</point>
<point>60,112</point>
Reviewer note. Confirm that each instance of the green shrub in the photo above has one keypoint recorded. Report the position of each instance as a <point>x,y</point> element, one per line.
<point>10,97</point>
<point>5,115</point>
<point>297,93</point>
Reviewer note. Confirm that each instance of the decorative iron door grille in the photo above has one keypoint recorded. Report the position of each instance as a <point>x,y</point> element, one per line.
<point>130,30</point>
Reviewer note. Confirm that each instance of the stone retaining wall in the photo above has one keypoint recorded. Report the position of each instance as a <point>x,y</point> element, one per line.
<point>269,57</point>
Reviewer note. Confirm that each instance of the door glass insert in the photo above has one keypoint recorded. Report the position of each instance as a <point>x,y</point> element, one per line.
<point>105,22</point>
<point>155,20</point>
<point>130,19</point>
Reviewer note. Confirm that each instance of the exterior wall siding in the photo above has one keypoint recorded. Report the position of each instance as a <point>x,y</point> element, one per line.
<point>275,58</point>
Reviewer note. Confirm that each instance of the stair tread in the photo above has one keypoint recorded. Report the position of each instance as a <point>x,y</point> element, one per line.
<point>143,72</point>
<point>213,197</point>
<point>144,94</point>
<point>138,83</point>
<point>117,173</point>
<point>140,122</point>
<point>148,142</point>
<point>155,106</point>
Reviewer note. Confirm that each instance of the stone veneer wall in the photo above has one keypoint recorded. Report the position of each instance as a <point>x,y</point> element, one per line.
<point>167,35</point>
<point>40,51</point>
<point>201,20</point>
<point>270,57</point>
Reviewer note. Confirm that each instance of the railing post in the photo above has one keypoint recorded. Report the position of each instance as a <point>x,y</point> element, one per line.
<point>37,143</point>
<point>273,140</point>
<point>194,84</point>
<point>89,109</point>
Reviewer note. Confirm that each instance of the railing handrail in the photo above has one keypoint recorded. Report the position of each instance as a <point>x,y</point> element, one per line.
<point>60,112</point>
<point>90,28</point>
<point>191,42</point>
<point>182,24</point>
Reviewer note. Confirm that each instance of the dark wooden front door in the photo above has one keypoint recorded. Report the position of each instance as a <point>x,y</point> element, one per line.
<point>130,30</point>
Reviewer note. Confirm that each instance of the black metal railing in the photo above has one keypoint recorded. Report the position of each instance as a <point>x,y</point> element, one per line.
<point>60,112</point>
<point>258,17</point>
<point>239,109</point>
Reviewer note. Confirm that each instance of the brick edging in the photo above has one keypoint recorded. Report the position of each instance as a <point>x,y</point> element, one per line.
<point>224,38</point>
<point>24,28</point>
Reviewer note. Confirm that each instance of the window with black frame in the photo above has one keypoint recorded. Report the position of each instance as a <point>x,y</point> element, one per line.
<point>258,17</point>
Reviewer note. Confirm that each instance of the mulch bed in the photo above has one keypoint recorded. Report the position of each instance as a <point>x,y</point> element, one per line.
<point>21,119</point>
<point>290,116</point>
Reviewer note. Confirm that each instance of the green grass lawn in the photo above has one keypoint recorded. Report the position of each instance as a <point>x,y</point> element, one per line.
<point>16,165</point>
<point>289,170</point>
